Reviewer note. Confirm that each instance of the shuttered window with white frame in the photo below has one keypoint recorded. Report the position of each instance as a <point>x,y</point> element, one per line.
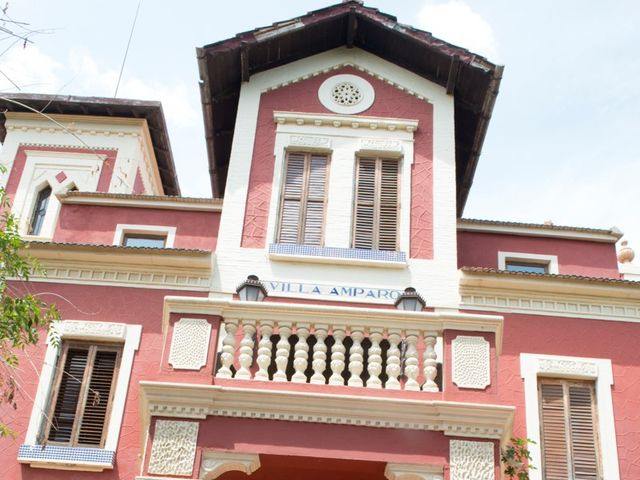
<point>82,394</point>
<point>303,203</point>
<point>376,204</point>
<point>568,424</point>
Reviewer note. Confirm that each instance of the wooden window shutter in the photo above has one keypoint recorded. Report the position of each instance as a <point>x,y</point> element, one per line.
<point>376,204</point>
<point>303,199</point>
<point>83,394</point>
<point>569,442</point>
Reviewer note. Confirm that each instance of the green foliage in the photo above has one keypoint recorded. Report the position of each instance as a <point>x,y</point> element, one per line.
<point>22,315</point>
<point>516,459</point>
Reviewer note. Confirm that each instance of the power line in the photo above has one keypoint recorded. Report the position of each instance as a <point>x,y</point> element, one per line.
<point>133,26</point>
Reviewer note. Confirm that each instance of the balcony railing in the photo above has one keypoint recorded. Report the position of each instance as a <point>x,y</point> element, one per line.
<point>357,356</point>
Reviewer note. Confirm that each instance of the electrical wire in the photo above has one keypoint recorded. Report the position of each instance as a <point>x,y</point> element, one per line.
<point>133,26</point>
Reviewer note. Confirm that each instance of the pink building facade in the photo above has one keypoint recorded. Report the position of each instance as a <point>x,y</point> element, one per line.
<point>328,313</point>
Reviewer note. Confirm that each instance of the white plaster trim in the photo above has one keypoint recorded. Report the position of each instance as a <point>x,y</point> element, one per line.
<point>124,228</point>
<point>73,465</point>
<point>179,400</point>
<point>404,85</point>
<point>409,471</point>
<point>629,271</point>
<point>136,202</point>
<point>345,121</point>
<point>551,261</point>
<point>214,464</point>
<point>284,257</point>
<point>600,370</point>
<point>105,331</point>
<point>348,316</point>
<point>365,89</point>
<point>467,226</point>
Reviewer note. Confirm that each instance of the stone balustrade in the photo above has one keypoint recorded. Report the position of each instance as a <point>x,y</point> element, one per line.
<point>321,354</point>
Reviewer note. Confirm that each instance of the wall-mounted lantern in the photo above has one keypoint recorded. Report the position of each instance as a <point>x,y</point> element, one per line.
<point>410,300</point>
<point>252,289</point>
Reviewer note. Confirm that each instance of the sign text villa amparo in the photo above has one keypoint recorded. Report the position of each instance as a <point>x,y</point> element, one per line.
<point>331,291</point>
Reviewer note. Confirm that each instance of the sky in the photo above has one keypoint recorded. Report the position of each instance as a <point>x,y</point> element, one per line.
<point>563,144</point>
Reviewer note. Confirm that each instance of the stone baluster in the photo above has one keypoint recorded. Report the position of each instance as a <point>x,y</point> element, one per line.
<point>319,355</point>
<point>282,353</point>
<point>301,355</point>
<point>228,349</point>
<point>375,359</point>
<point>264,351</point>
<point>393,360</point>
<point>245,357</point>
<point>430,362</point>
<point>411,362</point>
<point>356,357</point>
<point>337,357</point>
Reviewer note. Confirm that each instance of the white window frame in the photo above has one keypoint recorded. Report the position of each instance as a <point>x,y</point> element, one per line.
<point>344,145</point>
<point>128,335</point>
<point>599,370</point>
<point>123,229</point>
<point>550,261</point>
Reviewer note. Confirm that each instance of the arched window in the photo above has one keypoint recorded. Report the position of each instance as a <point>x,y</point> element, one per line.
<point>39,211</point>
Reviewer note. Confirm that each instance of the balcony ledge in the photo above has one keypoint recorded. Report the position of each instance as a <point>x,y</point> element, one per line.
<point>199,401</point>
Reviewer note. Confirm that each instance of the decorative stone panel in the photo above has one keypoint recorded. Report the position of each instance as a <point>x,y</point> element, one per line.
<point>569,368</point>
<point>190,343</point>
<point>174,448</point>
<point>471,460</point>
<point>471,365</point>
<point>93,330</point>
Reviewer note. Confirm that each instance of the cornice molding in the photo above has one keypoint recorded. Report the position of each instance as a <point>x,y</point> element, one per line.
<point>199,401</point>
<point>338,315</point>
<point>550,297</point>
<point>140,201</point>
<point>94,265</point>
<point>345,121</point>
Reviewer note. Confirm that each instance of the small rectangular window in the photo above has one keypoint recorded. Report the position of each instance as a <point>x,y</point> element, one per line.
<point>376,204</point>
<point>143,240</point>
<point>568,430</point>
<point>530,267</point>
<point>302,207</point>
<point>82,394</point>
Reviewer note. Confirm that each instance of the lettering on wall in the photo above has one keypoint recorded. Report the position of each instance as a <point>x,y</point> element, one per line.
<point>331,291</point>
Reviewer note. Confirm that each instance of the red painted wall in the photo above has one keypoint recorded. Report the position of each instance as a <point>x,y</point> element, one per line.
<point>97,303</point>
<point>575,257</point>
<point>193,229</point>
<point>303,97</point>
<point>21,157</point>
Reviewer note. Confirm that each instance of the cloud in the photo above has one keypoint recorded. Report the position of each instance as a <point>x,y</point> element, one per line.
<point>454,21</point>
<point>35,72</point>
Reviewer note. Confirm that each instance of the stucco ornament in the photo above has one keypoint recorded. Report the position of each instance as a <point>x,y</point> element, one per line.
<point>471,366</point>
<point>566,367</point>
<point>346,93</point>
<point>174,448</point>
<point>471,460</point>
<point>215,464</point>
<point>93,330</point>
<point>190,343</point>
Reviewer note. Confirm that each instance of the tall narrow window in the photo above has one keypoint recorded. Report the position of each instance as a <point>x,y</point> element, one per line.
<point>39,211</point>
<point>376,204</point>
<point>82,394</point>
<point>303,199</point>
<point>568,430</point>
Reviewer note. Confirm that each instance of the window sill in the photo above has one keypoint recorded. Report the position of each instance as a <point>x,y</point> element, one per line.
<point>337,256</point>
<point>66,458</point>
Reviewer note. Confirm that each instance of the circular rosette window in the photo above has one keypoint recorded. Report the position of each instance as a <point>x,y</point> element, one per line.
<point>348,94</point>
